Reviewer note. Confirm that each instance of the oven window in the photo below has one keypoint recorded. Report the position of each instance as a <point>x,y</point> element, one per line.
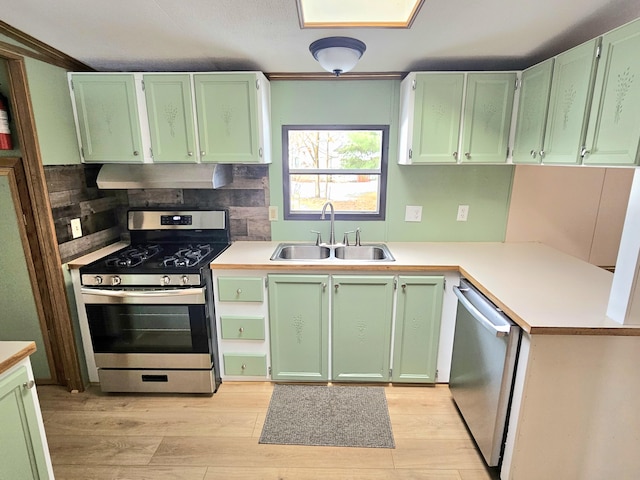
<point>148,328</point>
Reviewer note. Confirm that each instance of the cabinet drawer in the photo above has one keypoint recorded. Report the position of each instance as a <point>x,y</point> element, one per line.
<point>245,364</point>
<point>240,289</point>
<point>242,328</point>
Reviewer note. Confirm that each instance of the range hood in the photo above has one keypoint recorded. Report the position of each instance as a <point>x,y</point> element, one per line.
<point>199,175</point>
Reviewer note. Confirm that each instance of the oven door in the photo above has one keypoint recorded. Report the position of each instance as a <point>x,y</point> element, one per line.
<point>133,328</point>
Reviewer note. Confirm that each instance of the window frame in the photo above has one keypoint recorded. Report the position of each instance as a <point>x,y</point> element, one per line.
<point>382,173</point>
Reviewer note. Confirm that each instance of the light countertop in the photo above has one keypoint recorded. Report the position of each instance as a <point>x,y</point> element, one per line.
<point>13,352</point>
<point>543,290</point>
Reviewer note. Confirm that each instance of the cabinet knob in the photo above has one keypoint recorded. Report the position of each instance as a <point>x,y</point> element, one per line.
<point>324,287</point>
<point>584,152</point>
<point>410,154</point>
<point>260,151</point>
<point>243,366</point>
<point>455,155</point>
<point>136,153</point>
<point>241,330</point>
<point>404,287</point>
<point>203,153</point>
<point>468,155</point>
<point>542,153</point>
<point>190,154</point>
<point>533,154</point>
<point>239,291</point>
<point>336,286</point>
<point>29,385</point>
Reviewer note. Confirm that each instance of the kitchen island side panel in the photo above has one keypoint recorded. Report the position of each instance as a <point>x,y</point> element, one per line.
<point>575,412</point>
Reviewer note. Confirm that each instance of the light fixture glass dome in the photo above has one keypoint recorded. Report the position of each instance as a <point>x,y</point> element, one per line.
<point>337,54</point>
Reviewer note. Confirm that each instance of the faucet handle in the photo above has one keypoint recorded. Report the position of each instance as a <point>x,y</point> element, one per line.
<point>318,237</point>
<point>345,239</point>
<point>358,237</point>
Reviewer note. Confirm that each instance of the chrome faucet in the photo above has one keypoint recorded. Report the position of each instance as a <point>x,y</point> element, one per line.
<point>332,232</point>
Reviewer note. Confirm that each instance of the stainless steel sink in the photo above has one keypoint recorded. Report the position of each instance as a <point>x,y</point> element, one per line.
<point>364,252</point>
<point>288,251</point>
<point>302,251</point>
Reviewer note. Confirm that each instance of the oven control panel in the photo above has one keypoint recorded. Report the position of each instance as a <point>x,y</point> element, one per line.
<point>141,280</point>
<point>176,220</point>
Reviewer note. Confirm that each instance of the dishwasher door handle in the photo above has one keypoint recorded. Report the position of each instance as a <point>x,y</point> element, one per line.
<point>497,330</point>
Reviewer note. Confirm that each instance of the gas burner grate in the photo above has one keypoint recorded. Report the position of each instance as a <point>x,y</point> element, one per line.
<point>133,256</point>
<point>189,256</point>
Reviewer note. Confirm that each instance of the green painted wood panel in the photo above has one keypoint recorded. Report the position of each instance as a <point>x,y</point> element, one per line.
<point>436,123</point>
<point>245,364</point>
<point>240,289</point>
<point>21,448</point>
<point>417,328</point>
<point>299,326</point>
<point>571,91</point>
<point>241,327</point>
<point>227,112</point>
<point>19,319</point>
<point>613,135</point>
<point>362,310</point>
<point>170,114</point>
<point>487,117</point>
<point>108,117</point>
<point>532,113</point>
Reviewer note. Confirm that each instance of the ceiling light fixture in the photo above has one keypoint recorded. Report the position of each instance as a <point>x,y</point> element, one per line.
<point>337,54</point>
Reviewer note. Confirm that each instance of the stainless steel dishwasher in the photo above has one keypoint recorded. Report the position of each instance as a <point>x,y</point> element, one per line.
<point>485,351</point>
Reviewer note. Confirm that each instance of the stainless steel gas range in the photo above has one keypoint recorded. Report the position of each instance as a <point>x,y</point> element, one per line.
<point>150,305</point>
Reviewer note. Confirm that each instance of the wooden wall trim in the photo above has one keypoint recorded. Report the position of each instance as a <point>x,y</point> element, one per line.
<point>41,51</point>
<point>51,281</point>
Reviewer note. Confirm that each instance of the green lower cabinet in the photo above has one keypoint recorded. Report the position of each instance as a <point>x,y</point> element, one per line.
<point>21,446</point>
<point>417,330</point>
<point>299,325</point>
<point>361,327</point>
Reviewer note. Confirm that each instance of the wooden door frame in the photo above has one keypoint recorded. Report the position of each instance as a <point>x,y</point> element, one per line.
<point>50,280</point>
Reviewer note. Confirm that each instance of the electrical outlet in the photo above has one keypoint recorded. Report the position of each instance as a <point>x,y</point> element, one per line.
<point>413,213</point>
<point>273,213</point>
<point>463,213</point>
<point>76,228</point>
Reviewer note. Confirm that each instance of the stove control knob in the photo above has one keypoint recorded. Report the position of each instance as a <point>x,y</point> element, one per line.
<point>116,280</point>
<point>185,280</point>
<point>97,279</point>
<point>166,280</point>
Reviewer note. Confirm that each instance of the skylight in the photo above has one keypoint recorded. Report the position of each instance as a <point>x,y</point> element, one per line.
<point>357,13</point>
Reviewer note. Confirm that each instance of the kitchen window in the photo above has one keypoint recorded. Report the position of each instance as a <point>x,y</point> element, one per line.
<point>344,165</point>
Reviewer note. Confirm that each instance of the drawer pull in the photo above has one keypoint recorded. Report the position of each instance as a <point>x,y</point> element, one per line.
<point>243,367</point>
<point>241,329</point>
<point>239,291</point>
<point>29,385</point>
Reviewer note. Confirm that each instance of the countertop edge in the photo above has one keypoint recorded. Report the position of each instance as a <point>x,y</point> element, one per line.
<point>19,351</point>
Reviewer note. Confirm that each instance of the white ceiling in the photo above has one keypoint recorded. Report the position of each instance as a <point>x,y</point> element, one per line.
<point>196,35</point>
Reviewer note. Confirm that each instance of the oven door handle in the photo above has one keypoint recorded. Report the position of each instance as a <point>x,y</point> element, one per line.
<point>182,296</point>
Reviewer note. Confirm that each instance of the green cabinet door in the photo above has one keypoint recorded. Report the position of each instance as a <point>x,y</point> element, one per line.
<point>299,326</point>
<point>362,308</point>
<point>613,135</point>
<point>571,91</point>
<point>227,112</point>
<point>22,452</point>
<point>532,113</point>
<point>437,112</point>
<point>487,117</point>
<point>417,329</point>
<point>170,114</point>
<point>108,117</point>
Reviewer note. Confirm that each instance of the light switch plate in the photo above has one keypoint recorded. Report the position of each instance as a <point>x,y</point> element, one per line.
<point>413,213</point>
<point>273,213</point>
<point>76,228</point>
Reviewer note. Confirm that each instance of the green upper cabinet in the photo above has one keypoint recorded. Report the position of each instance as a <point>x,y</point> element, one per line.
<point>571,92</point>
<point>417,328</point>
<point>361,327</point>
<point>299,326</point>
<point>614,123</point>
<point>233,117</point>
<point>107,117</point>
<point>532,113</point>
<point>435,103</point>
<point>171,120</point>
<point>487,117</point>
<point>22,448</point>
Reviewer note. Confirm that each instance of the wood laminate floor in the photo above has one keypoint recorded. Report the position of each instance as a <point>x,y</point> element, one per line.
<point>100,436</point>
